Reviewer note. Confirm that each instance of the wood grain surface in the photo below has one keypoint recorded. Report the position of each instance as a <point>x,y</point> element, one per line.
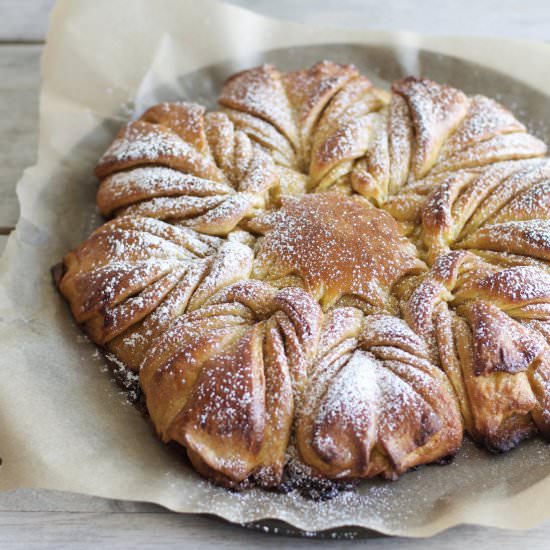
<point>33,518</point>
<point>19,85</point>
<point>27,19</point>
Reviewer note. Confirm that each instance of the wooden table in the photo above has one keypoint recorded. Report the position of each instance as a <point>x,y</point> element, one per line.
<point>48,519</point>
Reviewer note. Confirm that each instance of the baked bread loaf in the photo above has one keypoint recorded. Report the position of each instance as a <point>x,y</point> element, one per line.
<point>324,272</point>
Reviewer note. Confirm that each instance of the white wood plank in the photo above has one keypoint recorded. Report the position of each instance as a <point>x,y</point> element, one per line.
<point>24,19</point>
<point>59,516</point>
<point>28,19</point>
<point>19,90</point>
<point>528,19</point>
<point>41,530</point>
<point>41,500</point>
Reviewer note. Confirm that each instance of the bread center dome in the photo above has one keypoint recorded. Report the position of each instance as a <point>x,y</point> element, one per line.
<point>334,246</point>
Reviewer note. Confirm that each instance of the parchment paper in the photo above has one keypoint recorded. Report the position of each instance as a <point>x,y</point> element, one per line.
<point>63,422</point>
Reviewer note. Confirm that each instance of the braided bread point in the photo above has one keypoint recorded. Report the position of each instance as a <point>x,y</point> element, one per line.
<point>327,116</point>
<point>180,164</point>
<point>375,404</point>
<point>474,314</point>
<point>222,379</point>
<point>470,141</point>
<point>501,209</point>
<point>134,276</point>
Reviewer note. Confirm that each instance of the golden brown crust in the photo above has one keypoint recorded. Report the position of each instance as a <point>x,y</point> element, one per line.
<point>224,241</point>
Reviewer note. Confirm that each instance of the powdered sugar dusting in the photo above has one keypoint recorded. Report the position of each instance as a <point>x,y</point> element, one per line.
<point>484,119</point>
<point>331,242</point>
<point>518,284</point>
<point>158,180</point>
<point>147,142</point>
